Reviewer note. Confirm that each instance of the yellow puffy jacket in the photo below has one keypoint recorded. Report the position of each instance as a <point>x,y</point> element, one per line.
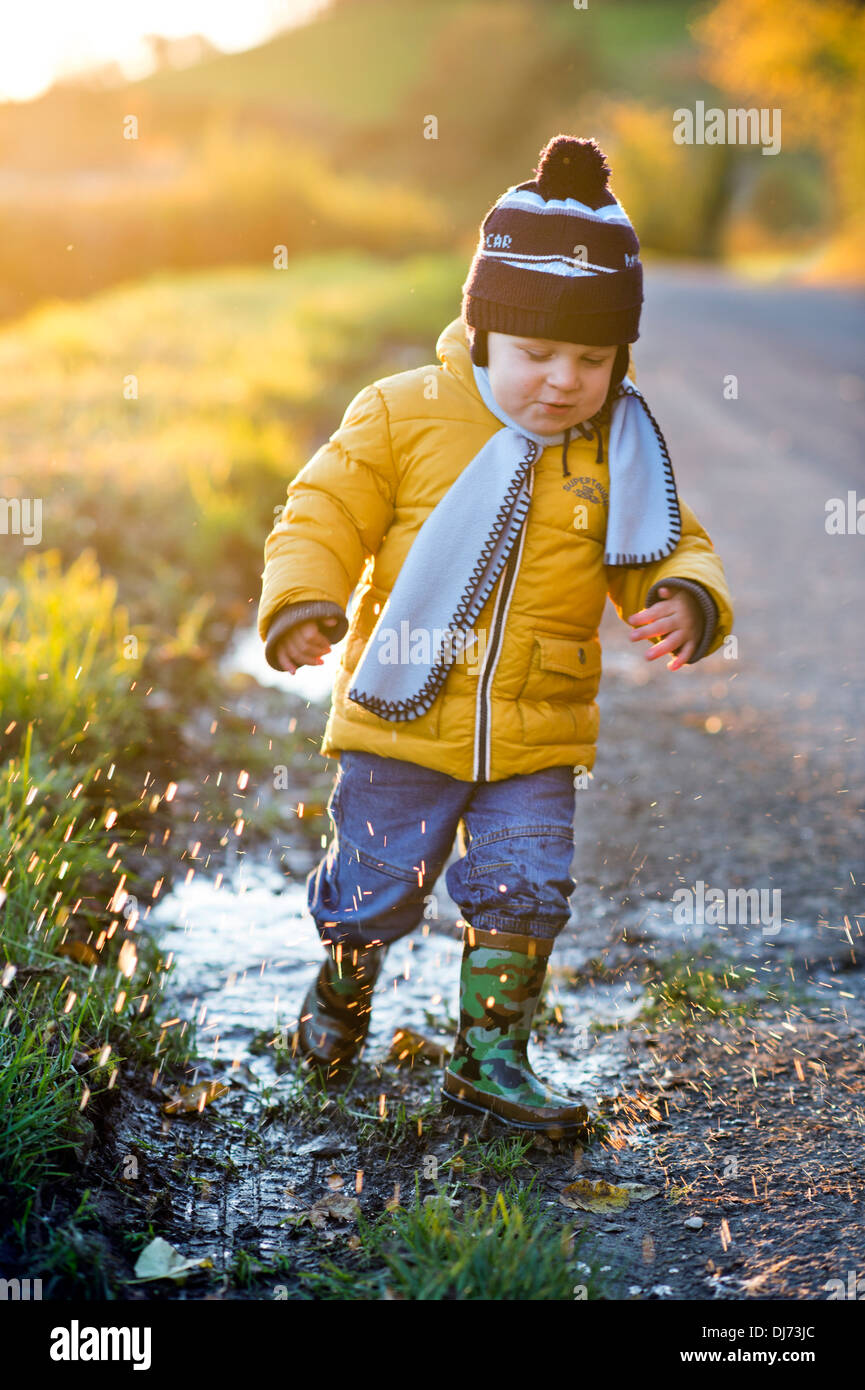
<point>350,519</point>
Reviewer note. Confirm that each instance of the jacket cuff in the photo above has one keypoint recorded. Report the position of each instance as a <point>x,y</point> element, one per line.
<point>292,613</point>
<point>707,604</point>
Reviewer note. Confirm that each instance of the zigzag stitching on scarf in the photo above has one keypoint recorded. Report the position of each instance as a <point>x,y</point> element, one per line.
<point>669,487</point>
<point>512,509</point>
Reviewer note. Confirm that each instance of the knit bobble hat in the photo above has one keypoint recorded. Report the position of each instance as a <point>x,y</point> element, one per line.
<point>557,258</point>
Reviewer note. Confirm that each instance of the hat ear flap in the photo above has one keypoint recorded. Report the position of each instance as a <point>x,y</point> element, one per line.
<point>621,363</point>
<point>478,346</point>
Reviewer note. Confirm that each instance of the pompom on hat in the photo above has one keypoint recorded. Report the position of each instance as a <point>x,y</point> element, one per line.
<point>557,258</point>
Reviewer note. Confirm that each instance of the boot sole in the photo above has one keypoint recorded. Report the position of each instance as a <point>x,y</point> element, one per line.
<point>554,1129</point>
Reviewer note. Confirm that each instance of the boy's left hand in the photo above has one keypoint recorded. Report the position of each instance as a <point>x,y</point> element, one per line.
<point>677,618</point>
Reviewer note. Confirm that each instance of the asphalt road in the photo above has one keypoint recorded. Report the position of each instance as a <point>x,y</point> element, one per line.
<point>775,797</point>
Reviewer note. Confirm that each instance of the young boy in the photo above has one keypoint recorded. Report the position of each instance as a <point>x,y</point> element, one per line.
<point>480,511</point>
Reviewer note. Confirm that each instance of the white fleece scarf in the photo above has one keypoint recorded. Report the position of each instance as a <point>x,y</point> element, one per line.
<point>461,548</point>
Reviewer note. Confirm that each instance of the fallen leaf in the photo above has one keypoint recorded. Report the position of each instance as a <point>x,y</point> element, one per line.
<point>78,950</point>
<point>408,1047</point>
<point>602,1196</point>
<point>159,1260</point>
<point>335,1206</point>
<point>188,1099</point>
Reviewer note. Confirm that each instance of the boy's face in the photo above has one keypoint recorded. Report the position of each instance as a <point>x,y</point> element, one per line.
<point>548,385</point>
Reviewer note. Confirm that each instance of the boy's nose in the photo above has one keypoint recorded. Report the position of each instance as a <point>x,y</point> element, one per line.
<point>563,375</point>
<point>564,382</point>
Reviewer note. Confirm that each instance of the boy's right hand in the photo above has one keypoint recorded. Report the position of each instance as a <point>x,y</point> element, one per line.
<point>303,645</point>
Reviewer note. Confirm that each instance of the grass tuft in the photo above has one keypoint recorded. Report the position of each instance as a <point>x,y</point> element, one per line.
<point>443,1248</point>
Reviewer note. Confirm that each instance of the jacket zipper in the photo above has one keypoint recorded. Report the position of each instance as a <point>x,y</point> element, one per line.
<point>483,711</point>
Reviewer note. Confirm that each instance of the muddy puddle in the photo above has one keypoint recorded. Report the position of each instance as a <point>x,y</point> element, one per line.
<point>244,950</point>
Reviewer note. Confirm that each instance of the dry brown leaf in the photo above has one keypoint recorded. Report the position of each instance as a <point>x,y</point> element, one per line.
<point>78,950</point>
<point>603,1196</point>
<point>336,1206</point>
<point>408,1047</point>
<point>600,1196</point>
<point>640,1192</point>
<point>188,1099</point>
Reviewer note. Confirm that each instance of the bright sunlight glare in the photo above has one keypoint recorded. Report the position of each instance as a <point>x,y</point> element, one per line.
<point>50,39</point>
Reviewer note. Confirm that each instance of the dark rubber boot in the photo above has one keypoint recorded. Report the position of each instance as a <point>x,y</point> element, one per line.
<point>335,1016</point>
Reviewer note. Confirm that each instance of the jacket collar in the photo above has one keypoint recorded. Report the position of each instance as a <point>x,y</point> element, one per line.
<point>452,350</point>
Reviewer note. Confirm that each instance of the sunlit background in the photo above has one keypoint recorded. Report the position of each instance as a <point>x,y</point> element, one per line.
<point>50,40</point>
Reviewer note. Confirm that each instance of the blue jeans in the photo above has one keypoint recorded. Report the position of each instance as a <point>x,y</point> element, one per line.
<point>394,825</point>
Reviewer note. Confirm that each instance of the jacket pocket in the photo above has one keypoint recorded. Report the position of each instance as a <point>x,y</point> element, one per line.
<point>562,668</point>
<point>556,704</point>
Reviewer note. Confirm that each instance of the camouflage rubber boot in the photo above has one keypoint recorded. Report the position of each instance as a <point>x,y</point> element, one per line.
<point>335,1015</point>
<point>489,1071</point>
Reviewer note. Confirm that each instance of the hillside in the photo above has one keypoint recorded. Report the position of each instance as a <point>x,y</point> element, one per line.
<point>377,126</point>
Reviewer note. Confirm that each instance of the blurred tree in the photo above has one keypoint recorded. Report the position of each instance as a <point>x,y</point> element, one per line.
<point>807,59</point>
<point>700,179</point>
